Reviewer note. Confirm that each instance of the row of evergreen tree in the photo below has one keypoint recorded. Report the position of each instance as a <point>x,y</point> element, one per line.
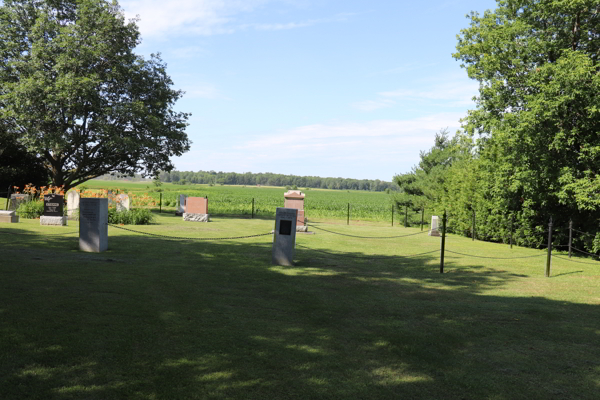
<point>271,179</point>
<point>531,148</point>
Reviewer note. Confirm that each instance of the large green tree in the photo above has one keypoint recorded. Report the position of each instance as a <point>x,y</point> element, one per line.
<point>73,91</point>
<point>538,109</point>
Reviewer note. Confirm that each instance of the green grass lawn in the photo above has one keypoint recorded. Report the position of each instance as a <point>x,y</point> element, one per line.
<point>153,318</point>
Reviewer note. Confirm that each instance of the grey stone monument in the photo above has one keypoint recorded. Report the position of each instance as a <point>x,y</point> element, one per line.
<point>93,225</point>
<point>16,200</point>
<point>72,204</point>
<point>122,202</point>
<point>181,205</point>
<point>284,240</point>
<point>435,230</point>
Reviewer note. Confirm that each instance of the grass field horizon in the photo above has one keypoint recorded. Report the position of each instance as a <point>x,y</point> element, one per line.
<point>354,318</point>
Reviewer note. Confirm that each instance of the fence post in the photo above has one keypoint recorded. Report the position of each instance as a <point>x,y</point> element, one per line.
<point>570,235</point>
<point>473,230</point>
<point>392,215</point>
<point>549,260</point>
<point>252,217</point>
<point>443,243</point>
<point>422,216</point>
<point>512,223</point>
<point>160,203</point>
<point>406,216</point>
<point>348,220</point>
<point>8,197</point>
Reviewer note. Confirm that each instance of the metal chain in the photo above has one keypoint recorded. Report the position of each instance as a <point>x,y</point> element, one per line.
<point>584,252</point>
<point>494,258</point>
<point>366,237</point>
<point>578,262</point>
<point>366,256</point>
<point>583,233</point>
<point>188,238</point>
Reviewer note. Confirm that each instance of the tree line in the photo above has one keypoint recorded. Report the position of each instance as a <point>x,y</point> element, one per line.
<point>531,148</point>
<point>272,179</point>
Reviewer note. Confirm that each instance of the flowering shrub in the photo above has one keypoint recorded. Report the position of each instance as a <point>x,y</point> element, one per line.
<point>140,216</point>
<point>34,207</point>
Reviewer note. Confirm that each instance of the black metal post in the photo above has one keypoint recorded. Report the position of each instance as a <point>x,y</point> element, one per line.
<point>8,196</point>
<point>406,216</point>
<point>443,243</point>
<point>570,235</point>
<point>549,259</point>
<point>392,215</point>
<point>252,217</point>
<point>422,216</point>
<point>348,221</point>
<point>473,230</point>
<point>160,203</point>
<point>512,223</point>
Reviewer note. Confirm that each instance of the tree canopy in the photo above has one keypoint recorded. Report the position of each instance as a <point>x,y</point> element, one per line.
<point>73,91</point>
<point>534,148</point>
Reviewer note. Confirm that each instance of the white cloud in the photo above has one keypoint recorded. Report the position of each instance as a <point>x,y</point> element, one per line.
<point>202,91</point>
<point>159,18</point>
<point>454,93</point>
<point>202,17</point>
<point>371,105</point>
<point>376,149</point>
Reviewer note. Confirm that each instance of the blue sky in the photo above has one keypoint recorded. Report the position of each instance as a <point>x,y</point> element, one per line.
<point>332,88</point>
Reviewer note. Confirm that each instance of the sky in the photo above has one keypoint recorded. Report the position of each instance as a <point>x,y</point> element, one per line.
<point>330,88</point>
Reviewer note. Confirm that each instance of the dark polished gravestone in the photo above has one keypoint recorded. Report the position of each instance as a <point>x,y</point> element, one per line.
<point>53,210</point>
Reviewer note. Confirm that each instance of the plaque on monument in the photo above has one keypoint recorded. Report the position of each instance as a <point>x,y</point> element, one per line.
<point>284,240</point>
<point>53,205</point>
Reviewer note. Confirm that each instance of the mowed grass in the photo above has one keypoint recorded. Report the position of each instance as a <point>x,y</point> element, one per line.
<point>355,318</point>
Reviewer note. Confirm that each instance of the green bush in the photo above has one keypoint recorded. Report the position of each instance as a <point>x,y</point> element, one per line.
<point>31,209</point>
<point>138,216</point>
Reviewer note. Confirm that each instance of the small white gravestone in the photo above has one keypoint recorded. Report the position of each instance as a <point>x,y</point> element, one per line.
<point>434,231</point>
<point>122,201</point>
<point>284,240</point>
<point>72,204</point>
<point>93,225</point>
<point>181,205</point>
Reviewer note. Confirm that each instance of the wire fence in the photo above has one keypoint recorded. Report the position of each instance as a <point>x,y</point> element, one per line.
<point>442,250</point>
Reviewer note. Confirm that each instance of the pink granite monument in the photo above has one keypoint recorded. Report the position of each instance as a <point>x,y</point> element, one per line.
<point>295,199</point>
<point>196,209</point>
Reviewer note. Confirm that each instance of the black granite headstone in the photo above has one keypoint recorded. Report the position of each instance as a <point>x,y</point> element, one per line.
<point>53,205</point>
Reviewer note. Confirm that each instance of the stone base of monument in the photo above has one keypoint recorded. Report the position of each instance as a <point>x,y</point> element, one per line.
<point>301,228</point>
<point>434,232</point>
<point>56,221</point>
<point>196,217</point>
<point>9,217</point>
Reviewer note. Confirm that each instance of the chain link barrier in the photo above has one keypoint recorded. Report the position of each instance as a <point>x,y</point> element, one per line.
<point>375,257</point>
<point>494,258</point>
<point>571,260</point>
<point>188,238</point>
<point>365,237</point>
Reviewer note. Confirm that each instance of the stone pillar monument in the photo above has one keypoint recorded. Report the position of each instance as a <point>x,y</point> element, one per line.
<point>93,225</point>
<point>435,230</point>
<point>295,199</point>
<point>284,240</point>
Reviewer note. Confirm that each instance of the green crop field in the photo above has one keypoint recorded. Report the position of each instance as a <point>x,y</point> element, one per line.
<point>319,204</point>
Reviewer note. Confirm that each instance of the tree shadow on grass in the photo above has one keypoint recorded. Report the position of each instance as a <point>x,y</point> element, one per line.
<point>154,318</point>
